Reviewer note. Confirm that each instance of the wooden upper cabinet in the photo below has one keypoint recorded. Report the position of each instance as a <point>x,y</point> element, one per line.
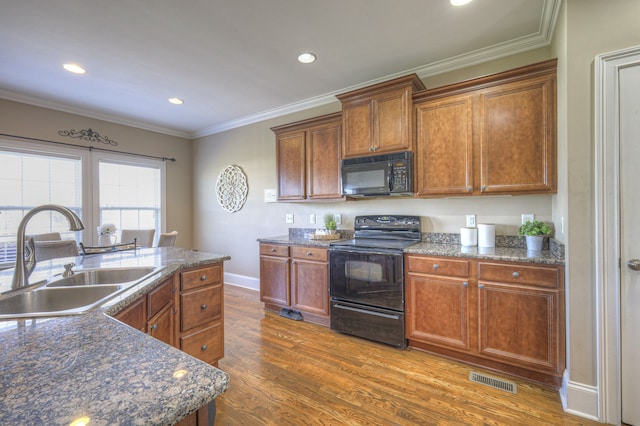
<point>378,119</point>
<point>308,159</point>
<point>491,135</point>
<point>444,154</point>
<point>517,136</point>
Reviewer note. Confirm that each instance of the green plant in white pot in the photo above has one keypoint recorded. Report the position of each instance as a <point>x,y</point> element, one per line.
<point>534,231</point>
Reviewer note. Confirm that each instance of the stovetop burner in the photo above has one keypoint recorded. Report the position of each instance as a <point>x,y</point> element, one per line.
<point>391,232</point>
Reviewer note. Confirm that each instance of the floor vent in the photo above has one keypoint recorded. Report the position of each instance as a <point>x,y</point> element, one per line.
<point>493,382</point>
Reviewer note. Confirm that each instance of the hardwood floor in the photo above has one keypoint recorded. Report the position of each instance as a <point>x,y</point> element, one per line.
<point>286,372</point>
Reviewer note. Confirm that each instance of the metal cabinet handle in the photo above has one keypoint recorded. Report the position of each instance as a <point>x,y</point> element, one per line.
<point>516,274</point>
<point>154,327</point>
<point>203,278</point>
<point>309,253</point>
<point>465,283</point>
<point>203,306</point>
<point>435,266</point>
<point>204,348</point>
<point>483,188</point>
<point>273,250</point>
<point>469,189</point>
<point>480,285</point>
<point>634,264</point>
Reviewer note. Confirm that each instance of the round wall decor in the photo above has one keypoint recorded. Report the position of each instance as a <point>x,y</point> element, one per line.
<point>231,188</point>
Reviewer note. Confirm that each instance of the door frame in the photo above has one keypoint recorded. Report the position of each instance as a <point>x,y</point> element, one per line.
<point>607,237</point>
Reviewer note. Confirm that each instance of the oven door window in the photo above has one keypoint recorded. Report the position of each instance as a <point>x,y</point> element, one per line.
<point>370,278</point>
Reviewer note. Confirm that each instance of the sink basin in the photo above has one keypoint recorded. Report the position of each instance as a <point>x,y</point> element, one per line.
<point>55,301</point>
<point>105,276</point>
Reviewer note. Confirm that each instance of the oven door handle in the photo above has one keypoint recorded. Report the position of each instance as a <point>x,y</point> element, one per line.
<point>364,311</point>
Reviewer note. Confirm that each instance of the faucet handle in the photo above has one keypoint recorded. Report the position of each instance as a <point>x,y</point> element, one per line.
<point>68,269</point>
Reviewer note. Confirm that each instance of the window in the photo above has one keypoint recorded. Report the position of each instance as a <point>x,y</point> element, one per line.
<point>100,187</point>
<point>130,194</point>
<point>29,179</point>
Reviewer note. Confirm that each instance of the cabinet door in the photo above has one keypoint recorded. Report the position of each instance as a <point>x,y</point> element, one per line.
<point>520,325</point>
<point>323,161</point>
<point>437,311</point>
<point>274,280</point>
<point>162,325</point>
<point>392,121</point>
<point>135,315</point>
<point>517,137</point>
<point>310,286</point>
<point>357,128</point>
<point>444,147</point>
<point>290,158</point>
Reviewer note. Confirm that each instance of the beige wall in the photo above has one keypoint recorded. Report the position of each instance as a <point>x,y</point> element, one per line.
<point>253,149</point>
<point>588,28</point>
<point>41,123</point>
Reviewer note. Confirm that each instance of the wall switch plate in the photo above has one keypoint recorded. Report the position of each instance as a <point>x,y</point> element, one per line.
<point>270,195</point>
<point>471,221</point>
<point>338,219</point>
<point>289,217</point>
<point>528,217</point>
<point>312,218</point>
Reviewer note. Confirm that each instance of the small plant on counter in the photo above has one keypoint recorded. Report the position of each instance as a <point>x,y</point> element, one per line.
<point>536,227</point>
<point>330,222</point>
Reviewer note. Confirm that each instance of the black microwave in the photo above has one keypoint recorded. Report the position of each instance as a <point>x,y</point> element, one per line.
<point>378,175</point>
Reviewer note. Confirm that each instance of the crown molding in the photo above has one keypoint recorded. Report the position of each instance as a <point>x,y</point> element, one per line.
<point>542,38</point>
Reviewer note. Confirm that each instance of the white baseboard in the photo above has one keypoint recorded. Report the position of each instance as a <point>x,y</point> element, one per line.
<point>242,281</point>
<point>579,399</point>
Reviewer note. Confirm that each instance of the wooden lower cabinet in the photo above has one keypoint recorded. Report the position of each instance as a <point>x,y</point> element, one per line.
<point>295,277</point>
<point>154,313</point>
<point>202,313</point>
<point>185,311</point>
<point>504,316</point>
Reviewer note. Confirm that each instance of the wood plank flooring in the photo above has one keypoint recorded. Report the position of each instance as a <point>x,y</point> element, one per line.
<point>286,372</point>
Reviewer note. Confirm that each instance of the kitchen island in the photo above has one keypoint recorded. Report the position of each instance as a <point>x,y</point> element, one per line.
<point>61,369</point>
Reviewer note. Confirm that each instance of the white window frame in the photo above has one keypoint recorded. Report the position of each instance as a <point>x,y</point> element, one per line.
<point>90,177</point>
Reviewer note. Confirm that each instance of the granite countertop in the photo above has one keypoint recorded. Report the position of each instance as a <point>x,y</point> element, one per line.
<point>509,248</point>
<point>56,370</point>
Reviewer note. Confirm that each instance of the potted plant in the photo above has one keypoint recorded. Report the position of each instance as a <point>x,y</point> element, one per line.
<point>534,231</point>
<point>330,224</point>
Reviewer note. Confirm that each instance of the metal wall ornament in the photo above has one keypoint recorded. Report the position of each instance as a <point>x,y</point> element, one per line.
<point>231,188</point>
<point>88,135</point>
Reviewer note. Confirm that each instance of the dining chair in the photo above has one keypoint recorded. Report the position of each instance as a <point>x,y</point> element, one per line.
<point>49,236</point>
<point>167,239</point>
<point>144,237</point>
<point>46,250</point>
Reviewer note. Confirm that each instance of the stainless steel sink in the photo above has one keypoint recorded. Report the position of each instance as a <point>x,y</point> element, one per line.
<point>103,277</point>
<point>72,295</point>
<point>55,301</point>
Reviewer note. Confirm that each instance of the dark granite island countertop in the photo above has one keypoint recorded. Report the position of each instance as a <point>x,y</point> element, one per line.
<point>511,254</point>
<point>57,370</point>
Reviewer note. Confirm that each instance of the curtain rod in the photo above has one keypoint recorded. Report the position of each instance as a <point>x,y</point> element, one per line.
<point>90,148</point>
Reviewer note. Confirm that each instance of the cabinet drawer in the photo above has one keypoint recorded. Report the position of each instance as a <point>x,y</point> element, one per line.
<point>438,266</point>
<point>160,297</point>
<point>274,250</point>
<point>519,274</point>
<point>309,253</point>
<point>200,306</point>
<point>201,277</point>
<point>206,345</point>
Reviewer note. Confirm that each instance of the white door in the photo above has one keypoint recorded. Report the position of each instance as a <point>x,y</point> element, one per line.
<point>630,242</point>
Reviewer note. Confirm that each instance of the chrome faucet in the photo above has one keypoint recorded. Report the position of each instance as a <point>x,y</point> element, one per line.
<point>25,266</point>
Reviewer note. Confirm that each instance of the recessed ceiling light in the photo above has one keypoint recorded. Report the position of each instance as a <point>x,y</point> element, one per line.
<point>306,58</point>
<point>176,101</point>
<point>459,2</point>
<point>76,69</point>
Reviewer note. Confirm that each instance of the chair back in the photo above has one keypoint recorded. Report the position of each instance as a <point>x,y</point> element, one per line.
<point>50,236</point>
<point>144,237</point>
<point>46,250</point>
<point>167,239</point>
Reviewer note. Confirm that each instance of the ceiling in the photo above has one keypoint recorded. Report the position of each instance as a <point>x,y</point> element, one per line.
<point>233,62</point>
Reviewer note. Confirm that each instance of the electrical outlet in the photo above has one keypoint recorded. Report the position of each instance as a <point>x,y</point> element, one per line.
<point>312,218</point>
<point>528,217</point>
<point>471,221</point>
<point>289,217</point>
<point>338,219</point>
